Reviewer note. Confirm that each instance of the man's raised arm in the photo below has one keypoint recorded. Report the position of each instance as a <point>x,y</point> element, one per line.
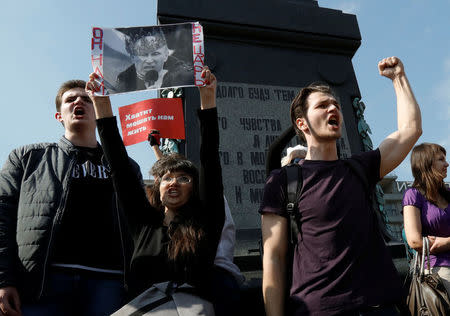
<point>409,122</point>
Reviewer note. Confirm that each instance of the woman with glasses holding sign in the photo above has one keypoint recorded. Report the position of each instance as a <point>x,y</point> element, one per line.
<point>175,234</point>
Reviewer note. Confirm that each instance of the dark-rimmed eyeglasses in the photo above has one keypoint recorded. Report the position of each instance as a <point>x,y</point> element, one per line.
<point>179,179</point>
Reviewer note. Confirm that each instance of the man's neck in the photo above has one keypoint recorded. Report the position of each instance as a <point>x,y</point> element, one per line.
<point>322,151</point>
<point>82,139</point>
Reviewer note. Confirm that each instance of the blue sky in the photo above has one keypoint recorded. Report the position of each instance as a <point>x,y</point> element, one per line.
<point>417,32</point>
<point>47,42</point>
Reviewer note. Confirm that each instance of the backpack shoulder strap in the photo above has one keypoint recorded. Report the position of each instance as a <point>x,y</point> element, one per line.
<point>294,184</point>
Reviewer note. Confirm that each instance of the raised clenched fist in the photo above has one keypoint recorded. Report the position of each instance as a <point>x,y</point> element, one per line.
<point>391,67</point>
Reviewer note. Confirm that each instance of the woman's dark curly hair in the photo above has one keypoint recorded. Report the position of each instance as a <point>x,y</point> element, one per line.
<point>186,231</point>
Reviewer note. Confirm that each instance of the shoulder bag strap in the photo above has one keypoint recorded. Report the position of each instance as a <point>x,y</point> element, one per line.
<point>425,253</point>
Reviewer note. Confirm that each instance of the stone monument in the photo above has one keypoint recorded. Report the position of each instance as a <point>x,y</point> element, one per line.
<point>262,53</point>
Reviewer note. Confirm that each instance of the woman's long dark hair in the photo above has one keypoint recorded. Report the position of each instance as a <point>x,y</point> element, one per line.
<point>186,231</point>
<point>426,179</point>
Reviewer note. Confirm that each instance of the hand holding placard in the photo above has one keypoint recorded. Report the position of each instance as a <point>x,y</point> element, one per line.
<point>208,92</point>
<point>102,104</point>
<point>154,138</point>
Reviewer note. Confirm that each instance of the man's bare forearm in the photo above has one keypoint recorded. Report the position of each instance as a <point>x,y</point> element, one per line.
<point>158,153</point>
<point>409,119</point>
<point>396,146</point>
<point>274,286</point>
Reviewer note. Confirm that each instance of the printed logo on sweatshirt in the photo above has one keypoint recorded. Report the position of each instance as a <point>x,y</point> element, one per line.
<point>89,169</point>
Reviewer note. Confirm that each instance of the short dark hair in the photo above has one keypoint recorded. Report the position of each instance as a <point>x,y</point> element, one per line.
<point>66,86</point>
<point>299,105</point>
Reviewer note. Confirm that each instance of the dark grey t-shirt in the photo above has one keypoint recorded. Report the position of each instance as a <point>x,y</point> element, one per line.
<point>339,263</point>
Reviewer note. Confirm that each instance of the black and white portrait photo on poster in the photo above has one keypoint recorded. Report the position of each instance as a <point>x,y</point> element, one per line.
<point>151,57</point>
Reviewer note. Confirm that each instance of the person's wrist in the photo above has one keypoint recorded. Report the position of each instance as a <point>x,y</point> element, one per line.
<point>102,107</point>
<point>208,102</point>
<point>399,75</point>
<point>101,100</point>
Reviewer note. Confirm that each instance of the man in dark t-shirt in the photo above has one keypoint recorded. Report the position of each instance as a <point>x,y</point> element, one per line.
<point>341,266</point>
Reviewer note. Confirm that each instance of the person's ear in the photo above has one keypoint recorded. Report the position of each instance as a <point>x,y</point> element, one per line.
<point>58,116</point>
<point>302,124</point>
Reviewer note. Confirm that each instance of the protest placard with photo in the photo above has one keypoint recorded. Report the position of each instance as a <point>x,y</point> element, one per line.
<point>138,119</point>
<point>148,57</point>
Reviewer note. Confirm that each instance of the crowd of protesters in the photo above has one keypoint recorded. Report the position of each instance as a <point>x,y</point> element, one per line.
<point>80,234</point>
